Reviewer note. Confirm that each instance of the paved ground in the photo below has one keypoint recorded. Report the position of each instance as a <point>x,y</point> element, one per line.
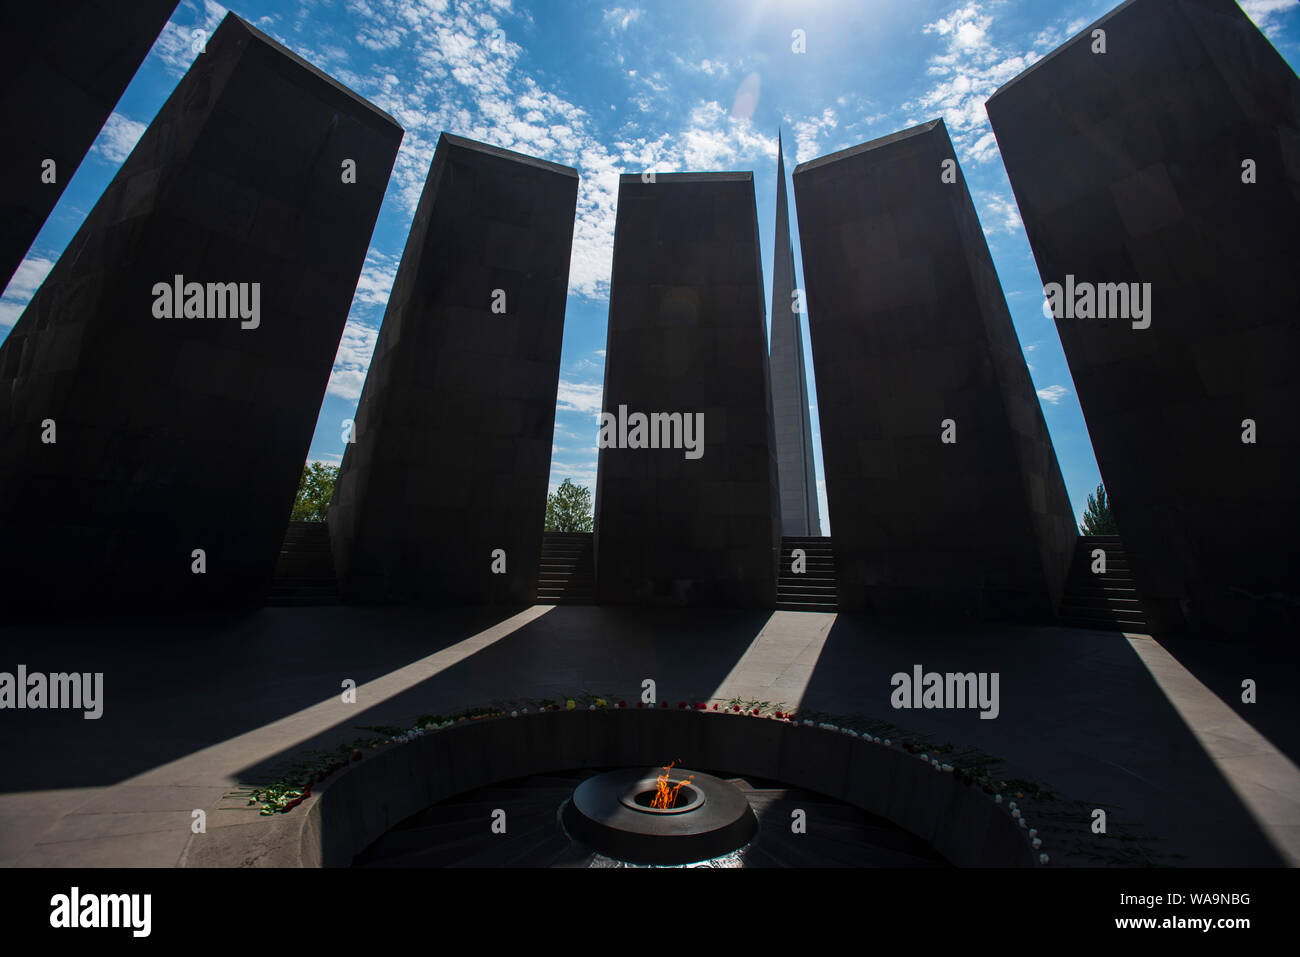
<point>1155,733</point>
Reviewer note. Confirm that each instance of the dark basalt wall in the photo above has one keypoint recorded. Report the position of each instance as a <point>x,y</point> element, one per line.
<point>909,330</point>
<point>687,334</point>
<point>452,444</point>
<point>63,67</point>
<point>179,434</point>
<point>1128,168</point>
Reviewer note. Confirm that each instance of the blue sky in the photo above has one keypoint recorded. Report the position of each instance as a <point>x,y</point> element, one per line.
<point>668,86</point>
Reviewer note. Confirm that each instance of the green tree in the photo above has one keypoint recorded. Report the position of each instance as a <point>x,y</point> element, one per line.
<point>568,509</point>
<point>315,489</point>
<point>1098,520</point>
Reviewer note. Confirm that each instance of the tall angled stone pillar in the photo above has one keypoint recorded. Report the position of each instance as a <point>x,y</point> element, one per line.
<point>944,490</point>
<point>159,393</point>
<point>1169,166</point>
<point>687,518</point>
<point>443,492</point>
<point>63,67</point>
<point>790,416</point>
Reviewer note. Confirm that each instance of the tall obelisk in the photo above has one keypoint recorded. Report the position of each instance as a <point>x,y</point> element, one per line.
<point>794,451</point>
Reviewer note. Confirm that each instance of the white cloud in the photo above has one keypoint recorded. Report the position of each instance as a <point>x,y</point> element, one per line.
<point>1052,394</point>
<point>584,397</point>
<point>620,18</point>
<point>118,137</point>
<point>999,215</point>
<point>175,46</point>
<point>1269,14</point>
<point>970,69</point>
<point>353,359</point>
<point>376,282</point>
<point>26,280</point>
<point>808,133</point>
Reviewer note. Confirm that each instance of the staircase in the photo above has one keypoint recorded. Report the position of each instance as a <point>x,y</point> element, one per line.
<point>814,589</point>
<point>458,832</point>
<point>567,575</point>
<point>1108,601</point>
<point>304,575</point>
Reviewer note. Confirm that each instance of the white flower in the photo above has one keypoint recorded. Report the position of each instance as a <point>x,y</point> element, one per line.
<point>924,756</point>
<point>934,763</point>
<point>514,714</point>
<point>947,767</point>
<point>1042,858</point>
<point>886,742</point>
<point>1015,812</point>
<point>1037,842</point>
<point>1023,823</point>
<point>1033,832</point>
<point>997,799</point>
<point>591,707</point>
<point>1012,805</point>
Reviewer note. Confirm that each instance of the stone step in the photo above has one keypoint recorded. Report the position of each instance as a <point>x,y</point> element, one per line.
<point>1096,624</point>
<point>782,605</point>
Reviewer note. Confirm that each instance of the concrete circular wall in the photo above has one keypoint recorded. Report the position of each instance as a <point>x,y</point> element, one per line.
<point>359,804</point>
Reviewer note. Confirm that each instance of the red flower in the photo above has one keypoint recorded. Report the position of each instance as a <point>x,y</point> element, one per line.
<point>715,707</point>
<point>663,704</point>
<point>755,711</point>
<point>681,706</point>
<point>622,704</point>
<point>640,704</point>
<point>735,707</point>
<point>356,754</point>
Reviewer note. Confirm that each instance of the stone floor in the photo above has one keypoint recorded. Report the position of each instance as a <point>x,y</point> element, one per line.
<point>1154,732</point>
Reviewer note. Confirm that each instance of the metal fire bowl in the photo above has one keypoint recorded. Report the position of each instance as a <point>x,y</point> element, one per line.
<point>605,815</point>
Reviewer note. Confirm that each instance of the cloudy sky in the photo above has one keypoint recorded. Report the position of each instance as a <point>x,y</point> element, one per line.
<point>664,86</point>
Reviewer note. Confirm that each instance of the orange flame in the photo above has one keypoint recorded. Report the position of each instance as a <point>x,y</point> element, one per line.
<point>666,794</point>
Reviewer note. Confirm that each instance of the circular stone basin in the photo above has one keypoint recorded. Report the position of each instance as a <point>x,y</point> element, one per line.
<point>611,813</point>
<point>639,795</point>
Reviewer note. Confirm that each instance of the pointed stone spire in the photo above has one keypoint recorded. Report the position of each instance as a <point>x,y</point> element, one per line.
<point>793,426</point>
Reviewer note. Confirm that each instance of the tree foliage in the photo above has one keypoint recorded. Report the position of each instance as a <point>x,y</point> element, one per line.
<point>568,509</point>
<point>1097,519</point>
<point>315,489</point>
